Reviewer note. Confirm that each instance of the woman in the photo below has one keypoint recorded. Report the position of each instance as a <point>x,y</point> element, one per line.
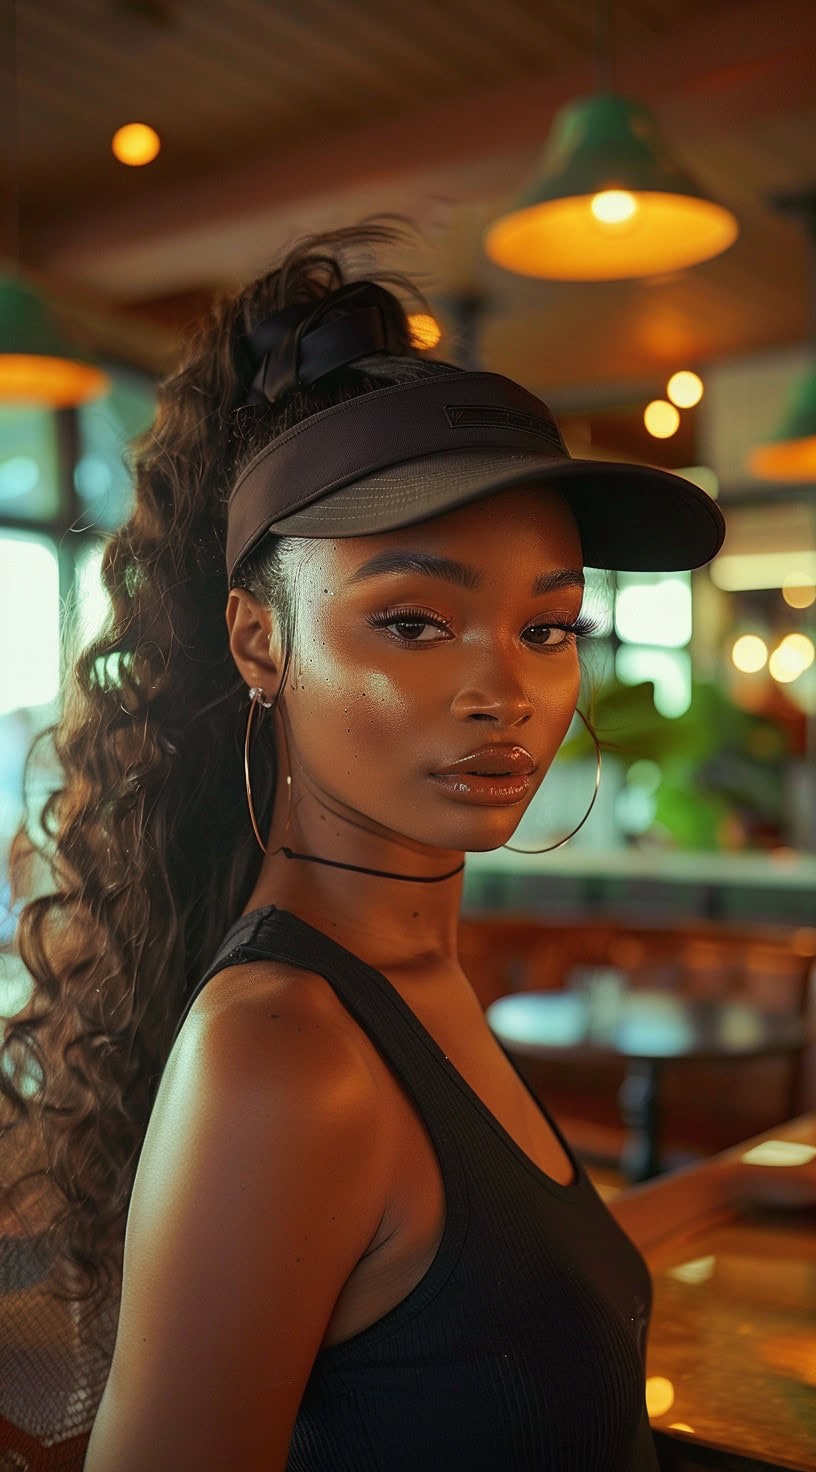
<point>354,1239</point>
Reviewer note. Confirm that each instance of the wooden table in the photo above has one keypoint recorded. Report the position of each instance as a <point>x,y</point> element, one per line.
<point>650,1031</point>
<point>731,1353</point>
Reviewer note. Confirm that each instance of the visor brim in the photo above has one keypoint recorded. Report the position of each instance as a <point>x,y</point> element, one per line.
<point>633,518</point>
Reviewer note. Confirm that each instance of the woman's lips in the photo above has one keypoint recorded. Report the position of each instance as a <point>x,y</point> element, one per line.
<point>493,791</point>
<point>496,759</point>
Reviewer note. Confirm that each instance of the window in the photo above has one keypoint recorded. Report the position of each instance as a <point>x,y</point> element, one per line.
<point>64,487</point>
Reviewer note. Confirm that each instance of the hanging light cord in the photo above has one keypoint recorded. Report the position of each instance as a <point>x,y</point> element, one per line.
<point>604,81</point>
<point>801,208</point>
<point>12,244</point>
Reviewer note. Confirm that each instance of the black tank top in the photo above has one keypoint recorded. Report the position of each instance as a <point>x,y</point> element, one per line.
<point>522,1349</point>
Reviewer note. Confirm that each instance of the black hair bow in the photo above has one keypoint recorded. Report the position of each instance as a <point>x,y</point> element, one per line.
<point>302,343</point>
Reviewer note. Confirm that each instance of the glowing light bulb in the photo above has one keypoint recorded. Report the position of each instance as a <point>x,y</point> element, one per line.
<point>749,653</point>
<point>798,592</point>
<point>425,330</point>
<point>661,419</point>
<point>791,658</point>
<point>135,144</point>
<point>659,1395</point>
<point>685,389</point>
<point>613,206</point>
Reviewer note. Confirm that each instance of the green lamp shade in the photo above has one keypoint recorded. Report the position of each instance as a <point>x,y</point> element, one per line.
<point>791,453</point>
<point>608,201</point>
<point>38,368</point>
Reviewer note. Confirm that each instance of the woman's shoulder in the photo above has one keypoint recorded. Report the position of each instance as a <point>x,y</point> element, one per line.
<point>263,1057</point>
<point>258,992</point>
<point>247,985</point>
<point>262,1013</point>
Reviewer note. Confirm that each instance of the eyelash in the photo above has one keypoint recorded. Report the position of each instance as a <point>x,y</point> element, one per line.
<point>580,628</point>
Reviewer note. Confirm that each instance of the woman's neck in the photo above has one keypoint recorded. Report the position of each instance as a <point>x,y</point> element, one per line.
<point>391,924</point>
<point>409,932</point>
<point>408,921</point>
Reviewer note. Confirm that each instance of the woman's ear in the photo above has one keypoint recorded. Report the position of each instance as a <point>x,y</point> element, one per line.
<point>255,640</point>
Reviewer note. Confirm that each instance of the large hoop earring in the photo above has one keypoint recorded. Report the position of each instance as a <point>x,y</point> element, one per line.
<point>258,698</point>
<point>573,831</point>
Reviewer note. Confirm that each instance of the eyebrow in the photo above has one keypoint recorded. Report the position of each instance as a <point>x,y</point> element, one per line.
<point>459,573</point>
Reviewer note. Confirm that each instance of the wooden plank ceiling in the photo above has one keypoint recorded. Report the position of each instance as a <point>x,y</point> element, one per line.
<point>279,116</point>
<point>227,79</point>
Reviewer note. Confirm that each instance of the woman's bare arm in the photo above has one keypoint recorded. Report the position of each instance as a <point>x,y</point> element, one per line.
<point>261,1183</point>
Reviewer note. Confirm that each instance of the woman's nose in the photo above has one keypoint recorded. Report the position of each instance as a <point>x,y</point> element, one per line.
<point>501,699</point>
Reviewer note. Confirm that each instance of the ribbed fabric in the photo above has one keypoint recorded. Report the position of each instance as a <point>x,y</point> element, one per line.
<point>523,1347</point>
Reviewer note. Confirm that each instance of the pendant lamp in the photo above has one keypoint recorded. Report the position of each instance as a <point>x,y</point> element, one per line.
<point>608,200</point>
<point>790,453</point>
<point>38,368</point>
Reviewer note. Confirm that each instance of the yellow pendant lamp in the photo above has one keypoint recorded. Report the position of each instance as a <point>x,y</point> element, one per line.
<point>38,368</point>
<point>790,453</point>
<point>608,202</point>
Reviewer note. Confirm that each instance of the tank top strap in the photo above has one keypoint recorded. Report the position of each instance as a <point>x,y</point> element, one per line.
<point>229,953</point>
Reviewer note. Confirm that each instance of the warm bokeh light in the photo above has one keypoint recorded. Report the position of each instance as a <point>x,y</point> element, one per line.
<point>798,592</point>
<point>661,419</point>
<point>659,1395</point>
<point>685,389</point>
<point>54,383</point>
<point>791,658</point>
<point>749,653</point>
<point>425,330</point>
<point>135,144</point>
<point>613,206</point>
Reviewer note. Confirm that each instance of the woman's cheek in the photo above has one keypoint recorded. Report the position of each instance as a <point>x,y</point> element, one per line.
<point>348,717</point>
<point>386,703</point>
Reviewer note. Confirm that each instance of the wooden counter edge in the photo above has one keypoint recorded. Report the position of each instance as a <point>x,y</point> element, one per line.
<point>686,1199</point>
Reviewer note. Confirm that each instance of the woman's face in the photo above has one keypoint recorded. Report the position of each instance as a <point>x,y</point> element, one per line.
<point>398,672</point>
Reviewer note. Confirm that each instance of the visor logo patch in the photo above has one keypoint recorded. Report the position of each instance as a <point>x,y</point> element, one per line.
<point>492,416</point>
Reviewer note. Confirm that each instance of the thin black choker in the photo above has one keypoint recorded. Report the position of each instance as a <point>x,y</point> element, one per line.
<point>381,873</point>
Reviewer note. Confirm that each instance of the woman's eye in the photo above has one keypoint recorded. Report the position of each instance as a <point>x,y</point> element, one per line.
<point>407,625</point>
<point>410,629</point>
<point>552,634</point>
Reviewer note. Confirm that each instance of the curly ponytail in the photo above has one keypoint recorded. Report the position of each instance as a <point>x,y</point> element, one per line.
<point>148,845</point>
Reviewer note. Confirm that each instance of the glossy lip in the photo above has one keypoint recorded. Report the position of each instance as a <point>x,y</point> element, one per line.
<point>485,791</point>
<point>492,761</point>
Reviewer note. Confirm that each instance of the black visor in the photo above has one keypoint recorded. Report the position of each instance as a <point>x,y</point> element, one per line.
<point>402,454</point>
